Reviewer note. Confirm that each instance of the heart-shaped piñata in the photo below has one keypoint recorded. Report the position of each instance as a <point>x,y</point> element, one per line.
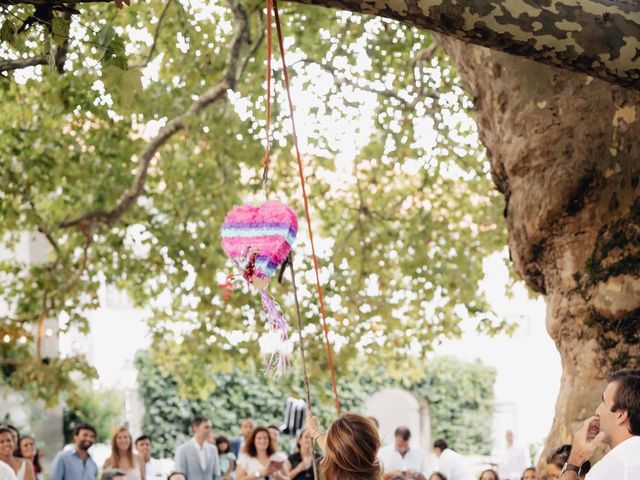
<point>259,239</point>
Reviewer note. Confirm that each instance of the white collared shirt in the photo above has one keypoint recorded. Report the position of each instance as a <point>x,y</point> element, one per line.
<point>153,470</point>
<point>621,463</point>
<point>453,466</point>
<point>414,459</point>
<point>201,453</point>
<point>513,462</point>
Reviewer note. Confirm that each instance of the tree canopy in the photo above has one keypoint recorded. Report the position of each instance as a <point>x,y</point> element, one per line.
<point>142,129</point>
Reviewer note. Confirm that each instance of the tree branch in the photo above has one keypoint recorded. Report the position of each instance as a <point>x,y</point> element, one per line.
<point>155,35</point>
<point>9,65</point>
<point>89,221</point>
<point>596,37</point>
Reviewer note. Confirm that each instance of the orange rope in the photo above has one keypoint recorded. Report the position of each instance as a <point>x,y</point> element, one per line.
<point>265,160</point>
<point>334,385</point>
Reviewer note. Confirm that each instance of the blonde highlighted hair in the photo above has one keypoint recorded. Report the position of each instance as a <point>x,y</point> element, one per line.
<point>114,460</point>
<point>351,450</point>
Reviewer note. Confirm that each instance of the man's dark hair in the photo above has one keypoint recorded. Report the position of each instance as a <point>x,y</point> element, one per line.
<point>176,473</point>
<point>110,474</point>
<point>627,396</point>
<point>141,438</point>
<point>84,426</point>
<point>441,443</point>
<point>403,432</point>
<point>197,420</point>
<point>274,427</point>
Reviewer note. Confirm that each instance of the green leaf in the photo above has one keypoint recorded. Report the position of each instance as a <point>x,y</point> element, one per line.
<point>60,30</point>
<point>8,32</point>
<point>122,84</point>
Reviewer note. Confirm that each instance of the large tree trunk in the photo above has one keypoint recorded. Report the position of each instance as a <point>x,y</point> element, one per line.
<point>565,152</point>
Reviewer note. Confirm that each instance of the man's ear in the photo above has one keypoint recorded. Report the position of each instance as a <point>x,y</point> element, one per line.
<point>622,416</point>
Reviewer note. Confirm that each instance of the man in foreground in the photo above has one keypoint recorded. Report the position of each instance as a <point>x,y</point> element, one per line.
<point>617,424</point>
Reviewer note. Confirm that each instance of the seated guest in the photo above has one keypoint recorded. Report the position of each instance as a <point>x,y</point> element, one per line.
<point>529,474</point>
<point>402,461</point>
<point>299,466</point>
<point>256,461</point>
<point>350,447</point>
<point>122,456</point>
<point>274,433</point>
<point>176,476</point>
<point>556,461</point>
<point>226,457</point>
<point>489,475</point>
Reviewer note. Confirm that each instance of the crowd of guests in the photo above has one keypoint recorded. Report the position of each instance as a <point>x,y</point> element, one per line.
<point>350,449</point>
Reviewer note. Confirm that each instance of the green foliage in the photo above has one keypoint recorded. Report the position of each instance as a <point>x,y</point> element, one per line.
<point>460,397</point>
<point>102,408</point>
<point>401,196</point>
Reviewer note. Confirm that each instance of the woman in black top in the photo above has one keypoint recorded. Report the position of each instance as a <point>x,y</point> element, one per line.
<point>300,465</point>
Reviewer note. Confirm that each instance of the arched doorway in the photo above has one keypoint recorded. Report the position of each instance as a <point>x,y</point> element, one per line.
<point>395,407</point>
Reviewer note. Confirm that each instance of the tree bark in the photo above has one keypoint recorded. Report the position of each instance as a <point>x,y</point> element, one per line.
<point>565,152</point>
<point>598,37</point>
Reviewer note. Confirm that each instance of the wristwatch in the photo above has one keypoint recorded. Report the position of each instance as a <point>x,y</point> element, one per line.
<point>569,467</point>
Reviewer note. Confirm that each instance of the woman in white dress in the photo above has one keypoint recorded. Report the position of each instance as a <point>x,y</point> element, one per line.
<point>122,456</point>
<point>22,468</point>
<point>256,461</point>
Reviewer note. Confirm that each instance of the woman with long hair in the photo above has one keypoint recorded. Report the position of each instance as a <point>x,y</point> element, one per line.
<point>27,450</point>
<point>299,465</point>
<point>122,456</point>
<point>22,468</point>
<point>226,457</point>
<point>258,459</point>
<point>350,446</point>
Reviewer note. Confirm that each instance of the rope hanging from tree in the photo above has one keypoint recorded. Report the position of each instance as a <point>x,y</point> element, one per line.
<point>273,4</point>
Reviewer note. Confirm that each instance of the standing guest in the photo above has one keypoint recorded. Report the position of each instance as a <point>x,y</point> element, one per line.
<point>76,464</point>
<point>122,456</point>
<point>274,433</point>
<point>256,461</point>
<point>350,448</point>
<point>617,423</point>
<point>437,476</point>
<point>299,465</point>
<point>237,443</point>
<point>152,466</point>
<point>28,450</point>
<point>22,468</point>
<point>226,456</point>
<point>489,475</point>
<point>400,460</point>
<point>513,461</point>
<point>529,474</point>
<point>450,463</point>
<point>197,459</point>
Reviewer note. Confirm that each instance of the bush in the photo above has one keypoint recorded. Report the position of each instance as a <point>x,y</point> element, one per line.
<point>460,397</point>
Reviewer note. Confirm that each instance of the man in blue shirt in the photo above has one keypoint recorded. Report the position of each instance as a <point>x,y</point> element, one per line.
<point>77,464</point>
